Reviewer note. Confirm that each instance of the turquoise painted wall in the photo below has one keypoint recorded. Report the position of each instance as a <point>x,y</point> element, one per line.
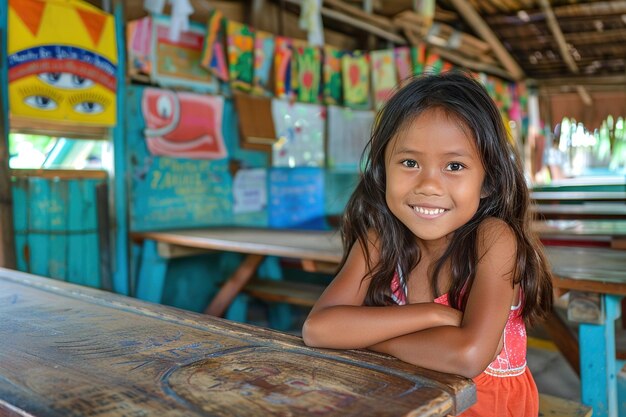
<point>56,233</point>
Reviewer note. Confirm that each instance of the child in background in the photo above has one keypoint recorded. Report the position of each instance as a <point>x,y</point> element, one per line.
<point>440,268</point>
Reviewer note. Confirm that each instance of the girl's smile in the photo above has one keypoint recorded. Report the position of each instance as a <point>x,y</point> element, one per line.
<point>429,212</point>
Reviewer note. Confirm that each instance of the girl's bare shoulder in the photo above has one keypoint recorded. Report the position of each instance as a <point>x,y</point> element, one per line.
<point>495,236</point>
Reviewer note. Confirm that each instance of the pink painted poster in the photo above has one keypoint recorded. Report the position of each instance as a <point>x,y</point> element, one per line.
<point>183,125</point>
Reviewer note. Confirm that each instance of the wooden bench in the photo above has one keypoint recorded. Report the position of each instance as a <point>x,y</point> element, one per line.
<point>297,293</point>
<point>550,405</point>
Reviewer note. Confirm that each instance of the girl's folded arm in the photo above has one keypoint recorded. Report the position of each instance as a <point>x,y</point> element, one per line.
<point>467,350</point>
<point>339,320</point>
<point>354,327</point>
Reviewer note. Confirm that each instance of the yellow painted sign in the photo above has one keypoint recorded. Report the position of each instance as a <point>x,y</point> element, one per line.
<point>62,60</point>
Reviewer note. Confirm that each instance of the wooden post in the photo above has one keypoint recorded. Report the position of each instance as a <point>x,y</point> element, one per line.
<point>121,278</point>
<point>7,234</point>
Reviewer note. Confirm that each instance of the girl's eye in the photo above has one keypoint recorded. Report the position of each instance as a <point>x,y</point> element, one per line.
<point>455,166</point>
<point>410,163</point>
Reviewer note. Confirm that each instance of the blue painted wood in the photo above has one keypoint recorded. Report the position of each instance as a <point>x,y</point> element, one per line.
<point>19,190</point>
<point>82,238</point>
<point>56,228</point>
<point>338,187</point>
<point>598,368</point>
<point>621,387</point>
<point>151,274</point>
<point>41,209</point>
<point>238,309</point>
<point>120,265</point>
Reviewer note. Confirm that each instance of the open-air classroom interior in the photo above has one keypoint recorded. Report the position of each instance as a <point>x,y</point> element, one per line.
<point>174,176</point>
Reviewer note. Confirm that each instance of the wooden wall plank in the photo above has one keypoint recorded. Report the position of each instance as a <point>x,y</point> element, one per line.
<point>82,245</point>
<point>60,201</point>
<point>19,188</point>
<point>38,203</point>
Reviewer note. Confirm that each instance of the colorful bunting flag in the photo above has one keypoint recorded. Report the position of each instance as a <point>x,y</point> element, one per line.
<point>263,58</point>
<point>213,56</point>
<point>434,63</point>
<point>355,71</point>
<point>240,42</point>
<point>332,75</point>
<point>308,60</point>
<point>418,56</point>
<point>402,57</point>
<point>282,66</point>
<point>383,75</point>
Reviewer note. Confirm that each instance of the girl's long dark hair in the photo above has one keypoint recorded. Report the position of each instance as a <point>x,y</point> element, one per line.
<point>466,100</point>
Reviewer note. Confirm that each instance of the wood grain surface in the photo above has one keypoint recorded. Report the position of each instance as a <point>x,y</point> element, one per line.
<point>67,350</point>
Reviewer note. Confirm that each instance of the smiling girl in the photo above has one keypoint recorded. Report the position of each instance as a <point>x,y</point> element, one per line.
<point>440,268</point>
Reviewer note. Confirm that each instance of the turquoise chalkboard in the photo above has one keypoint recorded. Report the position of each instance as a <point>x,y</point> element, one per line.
<point>170,192</point>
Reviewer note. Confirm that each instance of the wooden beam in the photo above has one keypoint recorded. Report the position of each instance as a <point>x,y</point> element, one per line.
<point>390,36</point>
<point>563,49</point>
<point>377,20</point>
<point>471,64</point>
<point>558,36</point>
<point>466,10</point>
<point>368,27</point>
<point>63,174</point>
<point>257,10</point>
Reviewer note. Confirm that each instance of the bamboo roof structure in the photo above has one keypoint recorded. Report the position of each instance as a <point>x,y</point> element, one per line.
<point>581,43</point>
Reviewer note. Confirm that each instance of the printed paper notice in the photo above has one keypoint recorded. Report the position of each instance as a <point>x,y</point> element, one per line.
<point>250,190</point>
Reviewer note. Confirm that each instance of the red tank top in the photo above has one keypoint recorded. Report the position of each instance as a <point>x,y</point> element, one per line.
<point>511,360</point>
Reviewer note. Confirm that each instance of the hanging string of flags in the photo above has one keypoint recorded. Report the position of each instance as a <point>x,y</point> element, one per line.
<point>234,56</point>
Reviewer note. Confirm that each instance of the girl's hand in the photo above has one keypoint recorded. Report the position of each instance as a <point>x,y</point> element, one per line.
<point>450,316</point>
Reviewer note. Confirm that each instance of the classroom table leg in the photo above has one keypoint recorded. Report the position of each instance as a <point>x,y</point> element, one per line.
<point>152,270</point>
<point>233,285</point>
<point>598,362</point>
<point>564,340</point>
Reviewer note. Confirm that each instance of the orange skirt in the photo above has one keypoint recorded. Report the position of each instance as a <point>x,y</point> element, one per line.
<point>511,396</point>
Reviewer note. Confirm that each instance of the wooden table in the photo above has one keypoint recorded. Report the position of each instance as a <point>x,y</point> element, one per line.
<point>579,211</point>
<point>611,231</point>
<point>310,247</point>
<point>67,350</point>
<point>603,272</point>
<point>597,270</point>
<point>559,196</point>
<point>314,249</point>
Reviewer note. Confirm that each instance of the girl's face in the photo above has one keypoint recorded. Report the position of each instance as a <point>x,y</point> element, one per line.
<point>434,176</point>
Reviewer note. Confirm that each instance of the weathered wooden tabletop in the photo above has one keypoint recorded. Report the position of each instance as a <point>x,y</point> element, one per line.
<point>67,350</point>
